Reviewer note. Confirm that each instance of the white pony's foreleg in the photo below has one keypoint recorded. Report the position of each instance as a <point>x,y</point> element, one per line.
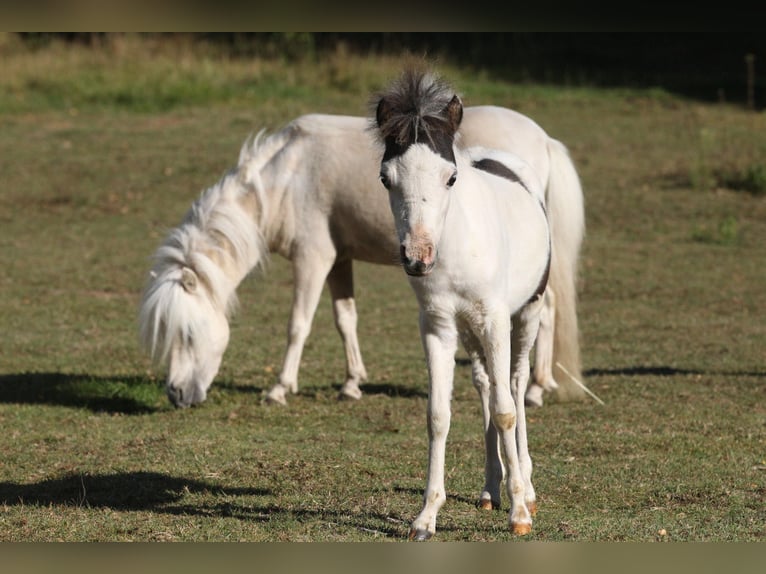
<point>543,379</point>
<point>493,466</point>
<point>440,344</point>
<point>505,411</point>
<point>341,283</point>
<point>525,330</point>
<point>309,271</point>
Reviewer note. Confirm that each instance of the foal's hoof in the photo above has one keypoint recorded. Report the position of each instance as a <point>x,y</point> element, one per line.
<point>419,535</point>
<point>487,504</point>
<point>521,528</point>
<point>532,507</point>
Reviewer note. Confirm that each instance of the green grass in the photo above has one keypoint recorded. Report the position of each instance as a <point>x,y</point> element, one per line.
<point>671,313</point>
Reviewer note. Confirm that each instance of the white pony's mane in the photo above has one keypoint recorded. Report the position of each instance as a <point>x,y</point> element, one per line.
<point>220,240</point>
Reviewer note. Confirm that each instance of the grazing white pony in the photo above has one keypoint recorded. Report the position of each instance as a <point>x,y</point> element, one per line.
<point>475,244</point>
<point>309,192</point>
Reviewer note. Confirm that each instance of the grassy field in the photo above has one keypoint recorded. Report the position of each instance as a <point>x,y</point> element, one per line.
<point>102,151</point>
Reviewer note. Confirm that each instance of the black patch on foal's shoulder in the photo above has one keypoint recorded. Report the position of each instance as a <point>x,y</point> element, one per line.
<point>499,169</point>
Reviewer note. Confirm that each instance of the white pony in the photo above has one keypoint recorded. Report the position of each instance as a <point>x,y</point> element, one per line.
<point>475,244</point>
<point>309,192</point>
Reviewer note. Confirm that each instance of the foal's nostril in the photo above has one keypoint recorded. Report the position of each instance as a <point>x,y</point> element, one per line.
<point>403,254</point>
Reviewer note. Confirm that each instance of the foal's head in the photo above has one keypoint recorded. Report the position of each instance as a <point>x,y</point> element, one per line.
<point>417,118</point>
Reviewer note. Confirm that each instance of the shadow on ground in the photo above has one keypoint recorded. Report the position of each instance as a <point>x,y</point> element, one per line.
<point>126,395</point>
<point>666,371</point>
<point>119,491</point>
<point>158,492</point>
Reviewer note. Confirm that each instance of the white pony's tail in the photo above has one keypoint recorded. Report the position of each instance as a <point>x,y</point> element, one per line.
<point>566,214</point>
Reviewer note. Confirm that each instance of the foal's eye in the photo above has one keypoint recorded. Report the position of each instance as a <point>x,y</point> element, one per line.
<point>452,179</point>
<point>384,180</point>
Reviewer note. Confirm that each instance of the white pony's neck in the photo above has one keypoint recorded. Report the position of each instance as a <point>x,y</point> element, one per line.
<point>220,240</point>
<point>225,233</point>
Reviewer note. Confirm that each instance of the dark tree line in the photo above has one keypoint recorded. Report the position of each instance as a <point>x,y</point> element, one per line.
<point>707,66</point>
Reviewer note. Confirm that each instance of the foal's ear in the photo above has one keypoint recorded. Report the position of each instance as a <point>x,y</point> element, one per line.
<point>382,112</point>
<point>454,113</point>
<point>188,280</point>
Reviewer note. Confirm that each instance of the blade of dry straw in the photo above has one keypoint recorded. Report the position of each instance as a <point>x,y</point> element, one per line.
<point>579,383</point>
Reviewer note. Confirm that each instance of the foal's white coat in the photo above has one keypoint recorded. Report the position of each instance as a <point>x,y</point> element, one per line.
<point>491,249</point>
<point>476,246</point>
<point>310,193</point>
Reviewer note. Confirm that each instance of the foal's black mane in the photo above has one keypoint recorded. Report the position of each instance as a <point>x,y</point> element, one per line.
<point>419,107</point>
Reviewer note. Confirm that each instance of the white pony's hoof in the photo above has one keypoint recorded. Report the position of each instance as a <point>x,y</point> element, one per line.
<point>276,396</point>
<point>534,396</point>
<point>350,390</point>
<point>550,384</point>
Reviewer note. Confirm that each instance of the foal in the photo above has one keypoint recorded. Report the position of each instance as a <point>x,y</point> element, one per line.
<point>475,244</point>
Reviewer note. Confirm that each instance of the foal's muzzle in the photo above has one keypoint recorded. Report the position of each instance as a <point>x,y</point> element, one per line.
<point>416,267</point>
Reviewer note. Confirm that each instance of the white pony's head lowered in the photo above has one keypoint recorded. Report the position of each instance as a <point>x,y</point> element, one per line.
<point>190,293</point>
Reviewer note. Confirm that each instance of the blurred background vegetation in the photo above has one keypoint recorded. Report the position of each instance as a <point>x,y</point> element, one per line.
<point>726,67</point>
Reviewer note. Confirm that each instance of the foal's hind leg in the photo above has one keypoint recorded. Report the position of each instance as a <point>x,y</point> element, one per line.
<point>341,282</point>
<point>310,270</point>
<point>543,379</point>
<point>493,466</point>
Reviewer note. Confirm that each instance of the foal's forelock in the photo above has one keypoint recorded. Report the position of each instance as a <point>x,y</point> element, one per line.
<point>418,108</point>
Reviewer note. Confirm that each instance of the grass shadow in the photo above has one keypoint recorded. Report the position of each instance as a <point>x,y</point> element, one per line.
<point>666,371</point>
<point>163,493</point>
<point>125,395</point>
<point>391,390</point>
<point>388,389</point>
<point>128,491</point>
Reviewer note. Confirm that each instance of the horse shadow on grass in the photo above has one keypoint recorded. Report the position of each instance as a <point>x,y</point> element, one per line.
<point>167,494</point>
<point>666,371</point>
<point>118,395</point>
<point>126,491</point>
<point>368,388</point>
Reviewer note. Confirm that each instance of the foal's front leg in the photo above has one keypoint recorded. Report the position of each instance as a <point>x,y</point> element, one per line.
<point>503,408</point>
<point>525,329</point>
<point>440,344</point>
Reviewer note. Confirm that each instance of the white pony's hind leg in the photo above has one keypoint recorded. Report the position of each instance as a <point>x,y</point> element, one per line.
<point>310,271</point>
<point>341,283</point>
<point>543,372</point>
